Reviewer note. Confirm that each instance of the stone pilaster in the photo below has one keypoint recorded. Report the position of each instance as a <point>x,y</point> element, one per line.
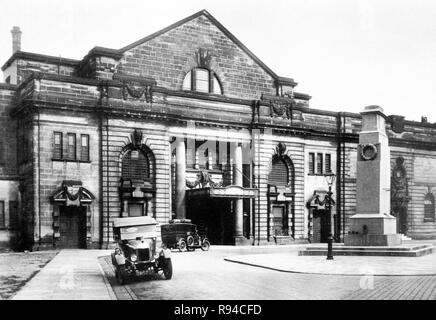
<point>180,178</point>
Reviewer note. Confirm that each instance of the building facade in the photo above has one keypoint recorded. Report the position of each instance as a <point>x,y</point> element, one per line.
<point>186,123</point>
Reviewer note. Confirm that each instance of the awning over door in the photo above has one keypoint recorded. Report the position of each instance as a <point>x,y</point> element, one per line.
<point>318,200</point>
<point>235,192</point>
<point>71,193</point>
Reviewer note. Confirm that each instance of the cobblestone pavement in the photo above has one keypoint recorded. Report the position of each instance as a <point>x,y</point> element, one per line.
<point>205,275</point>
<point>398,288</point>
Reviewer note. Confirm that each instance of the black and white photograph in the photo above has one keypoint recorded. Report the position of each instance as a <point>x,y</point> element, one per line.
<point>217,154</point>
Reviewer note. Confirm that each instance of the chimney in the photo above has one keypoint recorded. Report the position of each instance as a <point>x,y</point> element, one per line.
<point>16,39</point>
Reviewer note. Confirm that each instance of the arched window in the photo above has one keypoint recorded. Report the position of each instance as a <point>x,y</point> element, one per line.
<point>135,166</point>
<point>429,207</point>
<point>279,175</point>
<point>202,80</point>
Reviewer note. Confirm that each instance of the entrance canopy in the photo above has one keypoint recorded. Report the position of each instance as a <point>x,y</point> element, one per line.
<point>234,192</point>
<point>71,193</point>
<point>318,200</point>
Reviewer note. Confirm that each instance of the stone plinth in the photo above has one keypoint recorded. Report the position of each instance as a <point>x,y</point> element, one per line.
<point>242,241</point>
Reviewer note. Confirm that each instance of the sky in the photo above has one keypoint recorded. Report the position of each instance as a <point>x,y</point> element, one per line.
<point>346,54</point>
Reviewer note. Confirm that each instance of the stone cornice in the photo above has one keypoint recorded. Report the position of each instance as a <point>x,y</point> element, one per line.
<point>8,86</point>
<point>40,58</point>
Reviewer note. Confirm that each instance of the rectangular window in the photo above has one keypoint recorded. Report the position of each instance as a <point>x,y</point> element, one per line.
<point>328,163</point>
<point>84,147</point>
<point>202,80</point>
<point>2,152</point>
<point>57,151</point>
<point>319,163</point>
<point>2,214</point>
<point>71,151</point>
<point>13,215</point>
<point>311,163</point>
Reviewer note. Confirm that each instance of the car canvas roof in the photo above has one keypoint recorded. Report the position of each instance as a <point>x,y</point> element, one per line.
<point>134,221</point>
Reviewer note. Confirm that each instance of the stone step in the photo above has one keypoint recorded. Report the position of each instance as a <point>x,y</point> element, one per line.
<point>367,251</point>
<point>373,248</point>
<point>405,238</point>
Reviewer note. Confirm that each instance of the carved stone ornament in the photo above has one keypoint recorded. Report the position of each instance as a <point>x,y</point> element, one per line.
<point>281,109</point>
<point>397,123</point>
<point>399,185</point>
<point>104,90</point>
<point>203,58</point>
<point>136,138</point>
<point>138,91</point>
<point>203,181</point>
<point>368,151</point>
<point>280,150</point>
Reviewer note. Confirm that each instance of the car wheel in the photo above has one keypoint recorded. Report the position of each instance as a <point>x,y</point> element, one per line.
<point>205,245</point>
<point>182,245</point>
<point>190,241</point>
<point>121,274</point>
<point>168,269</point>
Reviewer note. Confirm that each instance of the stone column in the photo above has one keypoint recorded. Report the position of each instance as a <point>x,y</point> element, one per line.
<point>237,181</point>
<point>180,178</point>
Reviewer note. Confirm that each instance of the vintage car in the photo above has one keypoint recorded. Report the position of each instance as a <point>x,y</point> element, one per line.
<point>136,251</point>
<point>183,235</point>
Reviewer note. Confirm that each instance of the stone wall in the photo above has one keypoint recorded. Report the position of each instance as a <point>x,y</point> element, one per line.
<point>50,173</point>
<point>8,141</point>
<point>115,135</point>
<point>171,55</point>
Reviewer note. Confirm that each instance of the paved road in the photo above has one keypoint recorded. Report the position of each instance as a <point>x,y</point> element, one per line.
<point>205,275</point>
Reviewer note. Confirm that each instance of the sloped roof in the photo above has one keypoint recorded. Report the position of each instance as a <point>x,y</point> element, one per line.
<point>217,24</point>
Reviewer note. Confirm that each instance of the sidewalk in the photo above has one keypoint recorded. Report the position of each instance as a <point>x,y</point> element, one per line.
<point>290,261</point>
<point>71,275</point>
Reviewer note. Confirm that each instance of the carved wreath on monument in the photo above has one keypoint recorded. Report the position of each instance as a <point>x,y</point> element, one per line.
<point>368,151</point>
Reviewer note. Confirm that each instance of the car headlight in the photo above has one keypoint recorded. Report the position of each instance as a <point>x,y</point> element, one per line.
<point>133,257</point>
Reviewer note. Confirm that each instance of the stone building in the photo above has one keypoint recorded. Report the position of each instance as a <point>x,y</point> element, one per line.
<point>186,123</point>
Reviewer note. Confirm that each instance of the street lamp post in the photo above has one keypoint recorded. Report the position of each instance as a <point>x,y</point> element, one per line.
<point>330,180</point>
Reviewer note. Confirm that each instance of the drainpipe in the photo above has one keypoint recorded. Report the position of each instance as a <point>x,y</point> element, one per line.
<point>39,176</point>
<point>107,180</point>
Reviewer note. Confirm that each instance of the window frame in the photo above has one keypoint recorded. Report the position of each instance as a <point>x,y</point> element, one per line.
<point>312,165</point>
<point>211,77</point>
<point>87,148</point>
<point>2,214</point>
<point>319,163</point>
<point>327,163</point>
<point>61,149</point>
<point>70,156</point>
<point>429,216</point>
<point>2,151</point>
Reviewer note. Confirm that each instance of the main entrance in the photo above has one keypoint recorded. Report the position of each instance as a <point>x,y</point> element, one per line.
<point>212,209</point>
<point>72,227</point>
